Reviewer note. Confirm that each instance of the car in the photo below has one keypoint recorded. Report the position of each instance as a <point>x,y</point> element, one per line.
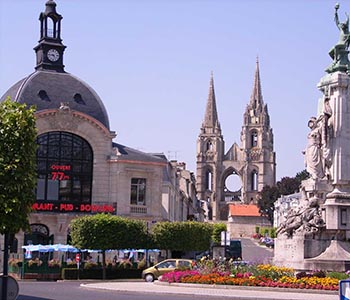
<point>152,273</point>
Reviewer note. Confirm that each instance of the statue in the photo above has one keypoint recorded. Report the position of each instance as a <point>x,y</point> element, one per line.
<point>339,53</point>
<point>313,152</point>
<point>317,153</point>
<point>309,219</point>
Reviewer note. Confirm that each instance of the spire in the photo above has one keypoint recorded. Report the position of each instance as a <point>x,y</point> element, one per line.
<point>256,99</point>
<point>211,115</point>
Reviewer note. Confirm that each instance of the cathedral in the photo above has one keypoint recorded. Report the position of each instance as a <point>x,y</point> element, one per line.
<point>253,161</point>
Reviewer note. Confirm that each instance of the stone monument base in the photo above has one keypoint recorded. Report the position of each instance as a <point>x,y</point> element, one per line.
<point>334,258</point>
<point>307,254</point>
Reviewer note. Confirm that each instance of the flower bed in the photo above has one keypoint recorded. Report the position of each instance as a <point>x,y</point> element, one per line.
<point>252,275</point>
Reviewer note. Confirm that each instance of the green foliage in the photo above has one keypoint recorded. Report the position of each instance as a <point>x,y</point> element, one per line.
<point>17,165</point>
<point>183,236</point>
<point>268,196</point>
<point>338,275</point>
<point>288,185</point>
<point>217,228</point>
<point>104,232</point>
<point>303,175</point>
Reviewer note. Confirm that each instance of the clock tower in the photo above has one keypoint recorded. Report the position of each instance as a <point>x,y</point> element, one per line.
<point>49,51</point>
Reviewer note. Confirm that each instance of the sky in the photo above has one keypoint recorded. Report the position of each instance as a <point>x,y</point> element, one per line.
<point>150,62</point>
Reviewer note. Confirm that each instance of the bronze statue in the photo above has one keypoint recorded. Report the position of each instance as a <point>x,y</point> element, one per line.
<point>339,53</point>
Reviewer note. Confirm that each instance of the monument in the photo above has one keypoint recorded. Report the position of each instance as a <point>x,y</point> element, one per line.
<point>316,235</point>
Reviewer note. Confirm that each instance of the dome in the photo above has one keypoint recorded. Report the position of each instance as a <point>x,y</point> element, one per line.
<point>48,90</point>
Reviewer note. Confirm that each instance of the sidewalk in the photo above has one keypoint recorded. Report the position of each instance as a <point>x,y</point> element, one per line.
<point>234,292</point>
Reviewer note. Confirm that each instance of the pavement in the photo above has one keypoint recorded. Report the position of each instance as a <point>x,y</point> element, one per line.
<point>233,292</point>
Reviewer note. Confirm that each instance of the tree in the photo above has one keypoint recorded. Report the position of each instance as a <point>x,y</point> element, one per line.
<point>288,185</point>
<point>303,175</point>
<point>183,236</point>
<point>104,232</point>
<point>217,229</point>
<point>266,202</point>
<point>17,170</point>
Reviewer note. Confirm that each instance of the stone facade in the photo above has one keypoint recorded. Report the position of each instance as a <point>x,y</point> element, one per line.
<point>253,161</point>
<point>121,180</point>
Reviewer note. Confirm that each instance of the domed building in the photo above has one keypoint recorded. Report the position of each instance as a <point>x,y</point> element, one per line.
<point>80,169</point>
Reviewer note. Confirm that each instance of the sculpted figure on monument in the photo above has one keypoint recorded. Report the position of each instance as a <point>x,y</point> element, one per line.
<point>308,219</point>
<point>339,53</point>
<point>313,152</point>
<point>317,153</point>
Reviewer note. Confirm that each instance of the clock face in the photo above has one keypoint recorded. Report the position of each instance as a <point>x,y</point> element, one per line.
<point>53,55</point>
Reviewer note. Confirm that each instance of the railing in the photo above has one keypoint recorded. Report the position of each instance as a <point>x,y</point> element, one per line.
<point>138,210</point>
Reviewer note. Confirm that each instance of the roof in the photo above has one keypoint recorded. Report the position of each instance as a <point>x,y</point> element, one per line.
<point>48,89</point>
<point>125,153</point>
<point>244,210</point>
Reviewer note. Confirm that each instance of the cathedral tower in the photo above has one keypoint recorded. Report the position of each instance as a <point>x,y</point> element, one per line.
<point>253,161</point>
<point>257,142</point>
<point>210,152</point>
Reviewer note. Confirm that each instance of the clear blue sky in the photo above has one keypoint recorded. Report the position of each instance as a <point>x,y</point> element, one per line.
<point>150,62</point>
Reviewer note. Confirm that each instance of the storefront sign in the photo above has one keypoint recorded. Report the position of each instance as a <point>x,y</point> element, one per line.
<point>72,207</point>
<point>58,172</point>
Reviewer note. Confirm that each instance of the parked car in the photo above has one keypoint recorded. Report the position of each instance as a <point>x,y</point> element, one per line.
<point>267,241</point>
<point>168,265</point>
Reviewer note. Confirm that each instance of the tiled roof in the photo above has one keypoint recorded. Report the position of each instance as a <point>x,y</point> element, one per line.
<point>245,210</point>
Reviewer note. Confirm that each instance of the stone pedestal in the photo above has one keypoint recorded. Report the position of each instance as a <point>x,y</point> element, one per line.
<point>336,86</point>
<point>289,252</point>
<point>337,205</point>
<point>334,258</point>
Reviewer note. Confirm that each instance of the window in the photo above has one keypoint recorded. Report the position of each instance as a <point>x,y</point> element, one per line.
<point>254,180</point>
<point>64,165</point>
<point>254,139</point>
<point>138,191</point>
<point>51,28</point>
<point>209,181</point>
<point>343,216</point>
<point>209,146</point>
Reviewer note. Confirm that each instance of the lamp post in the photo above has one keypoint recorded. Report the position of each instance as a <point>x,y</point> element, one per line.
<point>5,267</point>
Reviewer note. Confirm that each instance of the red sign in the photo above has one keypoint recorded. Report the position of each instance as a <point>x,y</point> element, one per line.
<point>77,257</point>
<point>58,172</point>
<point>72,207</point>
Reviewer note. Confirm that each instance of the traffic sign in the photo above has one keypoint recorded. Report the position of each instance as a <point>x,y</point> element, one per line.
<point>344,289</point>
<point>77,257</point>
<point>12,288</point>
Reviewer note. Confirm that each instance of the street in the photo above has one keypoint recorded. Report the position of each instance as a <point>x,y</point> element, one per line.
<point>71,290</point>
<point>254,253</point>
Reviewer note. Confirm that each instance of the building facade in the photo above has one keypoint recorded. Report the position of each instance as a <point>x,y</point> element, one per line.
<point>81,170</point>
<point>253,161</point>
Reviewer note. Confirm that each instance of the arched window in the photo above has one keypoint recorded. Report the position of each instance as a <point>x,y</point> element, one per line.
<point>209,146</point>
<point>51,32</point>
<point>254,180</point>
<point>64,165</point>
<point>254,139</point>
<point>209,180</point>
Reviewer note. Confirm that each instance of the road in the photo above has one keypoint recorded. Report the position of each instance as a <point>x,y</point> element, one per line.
<point>71,290</point>
<point>253,252</point>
